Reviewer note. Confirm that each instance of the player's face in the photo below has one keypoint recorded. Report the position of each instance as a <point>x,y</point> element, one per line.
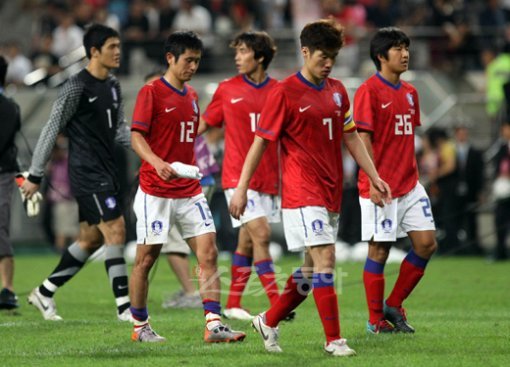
<point>109,56</point>
<point>398,59</point>
<point>245,60</point>
<point>318,64</point>
<point>186,66</point>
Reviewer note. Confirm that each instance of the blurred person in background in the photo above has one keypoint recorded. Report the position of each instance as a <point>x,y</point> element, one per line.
<point>469,175</point>
<point>11,124</point>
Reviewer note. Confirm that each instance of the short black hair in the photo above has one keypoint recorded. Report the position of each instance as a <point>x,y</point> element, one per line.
<point>323,34</point>
<point>260,42</point>
<point>383,40</point>
<point>179,41</point>
<point>96,36</point>
<point>3,70</point>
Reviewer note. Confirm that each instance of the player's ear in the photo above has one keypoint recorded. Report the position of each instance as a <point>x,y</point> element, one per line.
<point>94,51</point>
<point>169,57</point>
<point>305,51</point>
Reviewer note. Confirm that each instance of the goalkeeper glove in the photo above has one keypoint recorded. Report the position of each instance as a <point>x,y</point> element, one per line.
<point>186,170</point>
<point>31,205</point>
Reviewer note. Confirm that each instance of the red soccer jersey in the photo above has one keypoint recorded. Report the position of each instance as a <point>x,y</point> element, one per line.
<point>169,118</point>
<point>237,104</point>
<point>309,121</point>
<point>391,113</point>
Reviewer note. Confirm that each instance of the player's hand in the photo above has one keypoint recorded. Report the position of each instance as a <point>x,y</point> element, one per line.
<point>380,192</point>
<point>30,197</point>
<point>164,171</point>
<point>238,203</point>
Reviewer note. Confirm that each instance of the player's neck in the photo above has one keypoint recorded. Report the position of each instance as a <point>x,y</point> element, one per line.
<point>391,77</point>
<point>310,77</point>
<point>173,81</point>
<point>97,70</point>
<point>257,77</point>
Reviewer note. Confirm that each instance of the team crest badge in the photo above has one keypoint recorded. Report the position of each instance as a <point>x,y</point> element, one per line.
<point>386,225</point>
<point>194,105</point>
<point>337,97</point>
<point>110,202</point>
<point>157,227</point>
<point>410,99</point>
<point>318,226</point>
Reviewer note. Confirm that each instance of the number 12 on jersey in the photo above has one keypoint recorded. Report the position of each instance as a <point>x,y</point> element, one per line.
<point>186,131</point>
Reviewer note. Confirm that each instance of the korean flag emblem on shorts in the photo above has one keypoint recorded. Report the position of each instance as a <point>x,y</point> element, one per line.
<point>318,227</point>
<point>157,227</point>
<point>410,99</point>
<point>194,105</point>
<point>110,202</point>
<point>387,225</point>
<point>337,97</point>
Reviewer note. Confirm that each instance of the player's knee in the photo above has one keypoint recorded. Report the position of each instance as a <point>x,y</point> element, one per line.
<point>428,247</point>
<point>208,256</point>
<point>145,263</point>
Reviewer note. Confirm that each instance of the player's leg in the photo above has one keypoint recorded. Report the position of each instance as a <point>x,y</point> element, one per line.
<point>146,256</point>
<point>195,223</point>
<point>418,222</point>
<point>240,270</point>
<point>260,232</point>
<point>71,262</point>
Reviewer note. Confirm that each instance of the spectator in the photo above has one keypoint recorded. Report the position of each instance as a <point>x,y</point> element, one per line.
<point>44,58</point>
<point>67,37</point>
<point>19,64</point>
<point>469,180</point>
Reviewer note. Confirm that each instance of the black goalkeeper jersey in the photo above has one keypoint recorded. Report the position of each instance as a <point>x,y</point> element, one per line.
<point>90,112</point>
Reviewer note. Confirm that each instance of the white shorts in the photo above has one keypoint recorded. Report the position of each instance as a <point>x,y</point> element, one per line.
<point>411,212</point>
<point>259,205</point>
<point>156,216</point>
<point>309,226</point>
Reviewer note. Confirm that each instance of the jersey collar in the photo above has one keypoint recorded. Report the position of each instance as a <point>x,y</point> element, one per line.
<point>182,93</point>
<point>254,85</point>
<point>394,86</point>
<point>310,84</point>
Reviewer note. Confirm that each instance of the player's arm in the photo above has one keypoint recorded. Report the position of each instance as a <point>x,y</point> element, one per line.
<point>63,109</point>
<point>239,199</point>
<point>366,138</point>
<point>122,135</point>
<point>144,151</point>
<point>360,154</point>
<point>202,126</point>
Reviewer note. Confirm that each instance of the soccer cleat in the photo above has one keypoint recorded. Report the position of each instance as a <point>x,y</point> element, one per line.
<point>237,313</point>
<point>290,317</point>
<point>182,300</point>
<point>223,334</point>
<point>44,304</point>
<point>125,315</point>
<point>339,348</point>
<point>8,300</point>
<point>380,327</point>
<point>397,316</point>
<point>145,334</point>
<point>269,334</point>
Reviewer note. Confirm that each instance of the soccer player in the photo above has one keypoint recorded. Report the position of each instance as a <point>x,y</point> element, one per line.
<point>309,115</point>
<point>89,109</point>
<point>387,111</point>
<point>236,104</point>
<point>165,122</point>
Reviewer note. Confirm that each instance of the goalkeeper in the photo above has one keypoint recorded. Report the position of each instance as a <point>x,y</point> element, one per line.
<point>89,110</point>
<point>11,123</point>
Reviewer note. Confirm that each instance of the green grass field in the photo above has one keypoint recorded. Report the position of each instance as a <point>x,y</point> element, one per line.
<point>461,311</point>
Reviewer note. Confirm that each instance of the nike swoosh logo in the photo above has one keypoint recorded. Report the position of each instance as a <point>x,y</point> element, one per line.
<point>45,308</point>
<point>207,224</point>
<point>303,109</point>
<point>262,332</point>
<point>122,287</point>
<point>235,100</point>
<point>170,109</point>
<point>92,99</point>
<point>384,105</point>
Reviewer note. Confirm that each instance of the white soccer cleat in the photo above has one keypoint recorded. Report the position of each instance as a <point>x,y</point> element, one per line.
<point>237,313</point>
<point>125,316</point>
<point>145,334</point>
<point>44,304</point>
<point>268,334</point>
<point>339,348</point>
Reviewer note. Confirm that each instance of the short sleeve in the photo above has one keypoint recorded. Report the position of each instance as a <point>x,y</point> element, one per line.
<point>213,114</point>
<point>363,114</point>
<point>142,115</point>
<point>273,115</point>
